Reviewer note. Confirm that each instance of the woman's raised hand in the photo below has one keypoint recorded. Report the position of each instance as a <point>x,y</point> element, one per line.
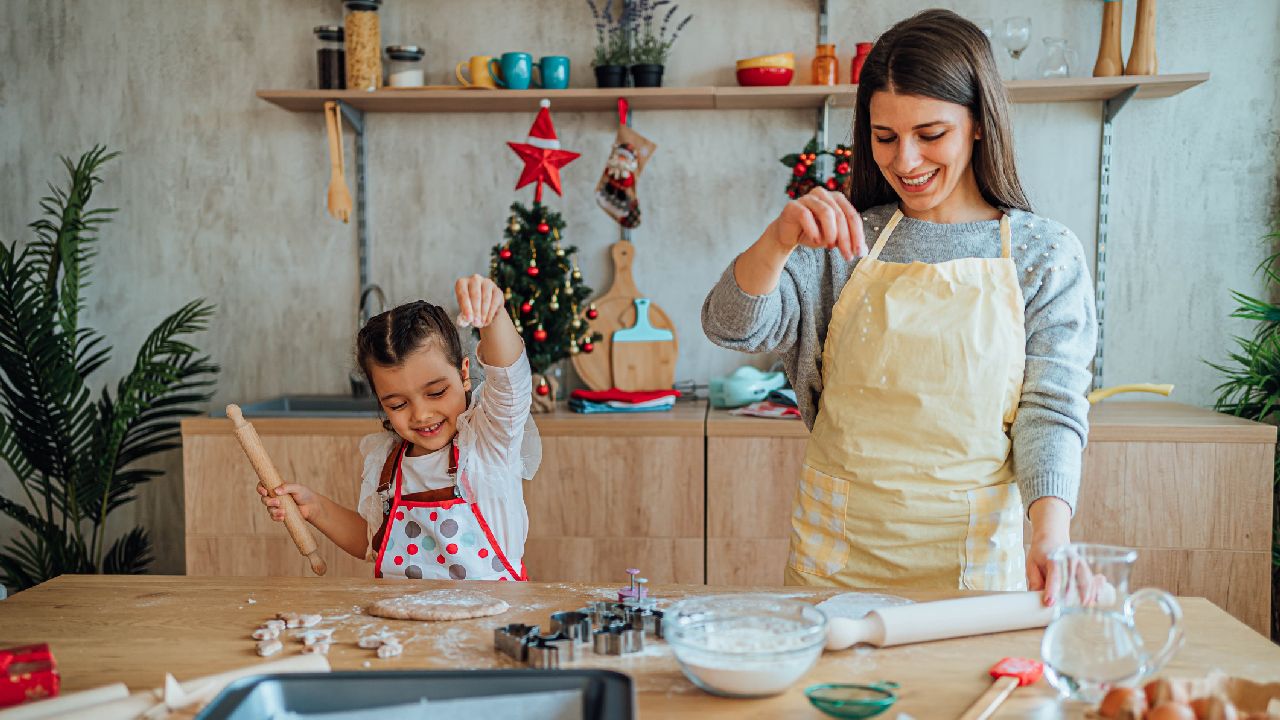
<point>822,219</point>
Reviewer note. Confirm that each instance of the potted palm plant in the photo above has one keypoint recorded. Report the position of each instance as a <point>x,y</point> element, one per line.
<point>77,459</point>
<point>1252,389</point>
<point>612,50</point>
<point>652,46</point>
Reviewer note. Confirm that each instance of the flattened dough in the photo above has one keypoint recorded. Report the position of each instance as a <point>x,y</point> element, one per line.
<point>439,605</point>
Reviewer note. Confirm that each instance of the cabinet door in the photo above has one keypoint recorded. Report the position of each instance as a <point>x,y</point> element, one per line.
<point>751,484</point>
<point>602,504</point>
<point>1199,515</point>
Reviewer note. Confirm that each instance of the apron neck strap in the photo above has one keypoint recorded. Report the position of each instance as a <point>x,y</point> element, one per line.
<point>1005,235</point>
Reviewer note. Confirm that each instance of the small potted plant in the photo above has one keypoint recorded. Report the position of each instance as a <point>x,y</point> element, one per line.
<point>649,54</point>
<point>612,53</point>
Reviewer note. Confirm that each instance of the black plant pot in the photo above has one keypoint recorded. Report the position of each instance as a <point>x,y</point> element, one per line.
<point>611,76</point>
<point>646,75</point>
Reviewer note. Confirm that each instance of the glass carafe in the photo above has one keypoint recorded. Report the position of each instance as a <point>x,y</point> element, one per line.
<point>1059,59</point>
<point>1092,643</point>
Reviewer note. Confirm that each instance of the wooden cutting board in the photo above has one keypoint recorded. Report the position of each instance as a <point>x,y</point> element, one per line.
<point>644,357</point>
<point>616,310</point>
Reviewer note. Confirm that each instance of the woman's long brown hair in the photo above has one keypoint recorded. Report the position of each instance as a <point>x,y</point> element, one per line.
<point>940,55</point>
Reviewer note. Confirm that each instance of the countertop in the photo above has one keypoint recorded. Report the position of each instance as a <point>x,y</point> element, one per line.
<point>134,629</point>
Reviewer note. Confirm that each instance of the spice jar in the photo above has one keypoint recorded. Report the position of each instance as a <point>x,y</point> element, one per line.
<point>855,67</point>
<point>364,44</point>
<point>331,61</point>
<point>826,68</point>
<point>404,70</point>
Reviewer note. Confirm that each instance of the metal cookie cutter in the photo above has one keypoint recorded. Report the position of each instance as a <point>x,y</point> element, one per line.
<point>619,639</point>
<point>546,652</point>
<point>513,640</point>
<point>575,625</point>
<point>649,619</point>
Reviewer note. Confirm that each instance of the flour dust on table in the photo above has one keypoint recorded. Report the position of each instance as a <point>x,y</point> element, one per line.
<point>438,605</point>
<point>856,605</point>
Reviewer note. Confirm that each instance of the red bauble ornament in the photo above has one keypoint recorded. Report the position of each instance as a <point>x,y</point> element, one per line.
<point>791,194</point>
<point>842,168</point>
<point>588,346</point>
<point>592,313</point>
<point>526,308</point>
<point>504,253</point>
<point>831,183</point>
<point>800,169</point>
<point>540,335</point>
<point>544,228</point>
<point>533,271</point>
<point>543,389</point>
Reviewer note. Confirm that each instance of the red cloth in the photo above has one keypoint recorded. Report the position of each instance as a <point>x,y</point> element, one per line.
<point>27,673</point>
<point>622,395</point>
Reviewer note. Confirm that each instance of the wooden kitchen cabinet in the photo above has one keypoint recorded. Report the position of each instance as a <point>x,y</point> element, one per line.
<point>613,491</point>
<point>1188,487</point>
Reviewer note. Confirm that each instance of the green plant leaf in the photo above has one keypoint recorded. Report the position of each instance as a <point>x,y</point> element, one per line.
<point>130,554</point>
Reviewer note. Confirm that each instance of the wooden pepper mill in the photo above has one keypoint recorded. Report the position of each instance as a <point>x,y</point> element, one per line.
<point>1142,54</point>
<point>1110,62</point>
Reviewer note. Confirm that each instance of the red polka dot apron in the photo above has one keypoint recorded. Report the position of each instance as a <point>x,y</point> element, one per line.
<point>424,535</point>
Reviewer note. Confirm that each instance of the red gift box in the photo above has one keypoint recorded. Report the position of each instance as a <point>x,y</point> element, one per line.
<point>27,673</point>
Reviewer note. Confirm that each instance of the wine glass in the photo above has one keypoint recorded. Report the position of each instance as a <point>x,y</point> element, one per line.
<point>987,26</point>
<point>1015,35</point>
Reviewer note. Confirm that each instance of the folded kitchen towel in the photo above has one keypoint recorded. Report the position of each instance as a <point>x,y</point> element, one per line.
<point>587,406</point>
<point>622,395</point>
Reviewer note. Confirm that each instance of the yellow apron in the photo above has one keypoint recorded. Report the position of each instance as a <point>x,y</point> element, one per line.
<point>907,479</point>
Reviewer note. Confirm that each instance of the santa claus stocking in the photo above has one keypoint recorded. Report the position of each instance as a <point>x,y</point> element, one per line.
<point>616,191</point>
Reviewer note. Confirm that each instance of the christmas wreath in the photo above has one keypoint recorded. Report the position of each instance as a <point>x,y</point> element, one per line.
<point>804,170</point>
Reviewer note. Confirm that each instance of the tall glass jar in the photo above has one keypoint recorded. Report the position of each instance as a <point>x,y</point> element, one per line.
<point>331,61</point>
<point>826,68</point>
<point>364,44</point>
<point>855,65</point>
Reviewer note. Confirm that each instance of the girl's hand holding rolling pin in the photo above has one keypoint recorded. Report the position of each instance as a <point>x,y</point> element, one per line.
<point>307,501</point>
<point>822,219</point>
<point>479,301</point>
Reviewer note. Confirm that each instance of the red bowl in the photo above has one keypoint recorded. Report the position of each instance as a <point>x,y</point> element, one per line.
<point>765,76</point>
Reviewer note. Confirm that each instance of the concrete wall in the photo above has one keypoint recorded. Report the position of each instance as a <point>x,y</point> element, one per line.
<point>222,195</point>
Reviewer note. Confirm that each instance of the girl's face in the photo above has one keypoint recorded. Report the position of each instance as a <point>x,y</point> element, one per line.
<point>923,147</point>
<point>423,397</point>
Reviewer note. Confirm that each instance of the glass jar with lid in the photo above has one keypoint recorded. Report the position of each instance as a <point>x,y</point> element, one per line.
<point>363,34</point>
<point>826,67</point>
<point>404,68</point>
<point>331,61</point>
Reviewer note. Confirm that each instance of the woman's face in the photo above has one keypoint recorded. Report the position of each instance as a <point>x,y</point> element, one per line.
<point>923,147</point>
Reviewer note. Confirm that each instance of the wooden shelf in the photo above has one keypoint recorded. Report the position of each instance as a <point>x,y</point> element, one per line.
<point>701,98</point>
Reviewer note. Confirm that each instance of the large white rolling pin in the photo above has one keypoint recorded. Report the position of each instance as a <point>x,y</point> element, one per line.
<point>298,530</point>
<point>922,622</point>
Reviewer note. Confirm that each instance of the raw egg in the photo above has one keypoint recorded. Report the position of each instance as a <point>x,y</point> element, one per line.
<point>1123,704</point>
<point>1171,711</point>
<point>1214,708</point>
<point>1162,691</point>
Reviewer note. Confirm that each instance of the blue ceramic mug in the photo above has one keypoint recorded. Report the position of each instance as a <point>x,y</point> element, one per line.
<point>514,70</point>
<point>552,72</point>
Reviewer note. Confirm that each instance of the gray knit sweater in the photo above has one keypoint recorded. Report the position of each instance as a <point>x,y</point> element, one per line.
<point>1052,423</point>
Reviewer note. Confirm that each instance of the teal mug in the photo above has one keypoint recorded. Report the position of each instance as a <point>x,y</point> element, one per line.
<point>513,71</point>
<point>552,73</point>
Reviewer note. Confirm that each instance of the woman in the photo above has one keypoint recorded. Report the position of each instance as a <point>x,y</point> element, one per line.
<point>942,371</point>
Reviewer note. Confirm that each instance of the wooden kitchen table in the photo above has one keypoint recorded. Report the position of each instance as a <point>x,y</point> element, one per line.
<point>105,629</point>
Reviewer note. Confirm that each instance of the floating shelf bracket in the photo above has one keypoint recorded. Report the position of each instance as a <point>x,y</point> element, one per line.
<point>1110,109</point>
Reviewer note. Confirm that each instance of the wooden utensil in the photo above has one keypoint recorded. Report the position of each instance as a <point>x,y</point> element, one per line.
<point>262,465</point>
<point>1010,674</point>
<point>643,357</point>
<point>1142,53</point>
<point>922,622</point>
<point>1110,62</point>
<point>339,195</point>
<point>615,311</point>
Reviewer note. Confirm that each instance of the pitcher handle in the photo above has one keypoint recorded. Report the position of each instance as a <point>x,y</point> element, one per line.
<point>1173,610</point>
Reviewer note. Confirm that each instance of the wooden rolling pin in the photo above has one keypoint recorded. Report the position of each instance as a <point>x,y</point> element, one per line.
<point>298,530</point>
<point>922,622</point>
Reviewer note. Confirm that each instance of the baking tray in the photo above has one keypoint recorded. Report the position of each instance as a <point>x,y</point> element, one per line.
<point>606,695</point>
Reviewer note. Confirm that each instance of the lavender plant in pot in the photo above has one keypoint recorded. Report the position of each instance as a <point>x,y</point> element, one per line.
<point>651,48</point>
<point>612,48</point>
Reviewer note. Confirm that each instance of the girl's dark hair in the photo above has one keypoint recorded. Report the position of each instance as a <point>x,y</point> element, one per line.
<point>940,55</point>
<point>388,338</point>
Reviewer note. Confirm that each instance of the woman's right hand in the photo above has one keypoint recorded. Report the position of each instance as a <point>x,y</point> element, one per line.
<point>305,498</point>
<point>822,219</point>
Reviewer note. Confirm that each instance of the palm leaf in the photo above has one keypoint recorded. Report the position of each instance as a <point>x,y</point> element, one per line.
<point>130,554</point>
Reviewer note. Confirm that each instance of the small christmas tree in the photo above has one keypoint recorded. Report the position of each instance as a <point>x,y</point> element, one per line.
<point>541,282</point>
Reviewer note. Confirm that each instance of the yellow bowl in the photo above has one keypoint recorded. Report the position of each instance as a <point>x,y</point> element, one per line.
<point>783,60</point>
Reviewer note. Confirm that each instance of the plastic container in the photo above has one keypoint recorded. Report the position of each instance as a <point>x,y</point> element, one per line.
<point>826,67</point>
<point>363,34</point>
<point>749,645</point>
<point>404,66</point>
<point>331,60</point>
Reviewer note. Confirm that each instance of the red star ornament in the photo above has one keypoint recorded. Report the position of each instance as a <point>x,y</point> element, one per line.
<point>541,154</point>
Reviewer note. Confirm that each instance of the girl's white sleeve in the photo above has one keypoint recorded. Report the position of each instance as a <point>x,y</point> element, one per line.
<point>374,448</point>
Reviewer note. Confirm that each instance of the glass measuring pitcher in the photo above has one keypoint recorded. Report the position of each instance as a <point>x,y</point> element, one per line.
<point>1092,643</point>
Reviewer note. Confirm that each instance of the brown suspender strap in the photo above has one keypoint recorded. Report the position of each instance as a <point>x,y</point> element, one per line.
<point>384,483</point>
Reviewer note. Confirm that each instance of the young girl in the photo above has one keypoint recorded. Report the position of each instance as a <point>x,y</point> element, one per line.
<point>441,496</point>
<point>943,370</point>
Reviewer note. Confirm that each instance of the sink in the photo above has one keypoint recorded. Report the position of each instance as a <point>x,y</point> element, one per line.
<point>308,406</point>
